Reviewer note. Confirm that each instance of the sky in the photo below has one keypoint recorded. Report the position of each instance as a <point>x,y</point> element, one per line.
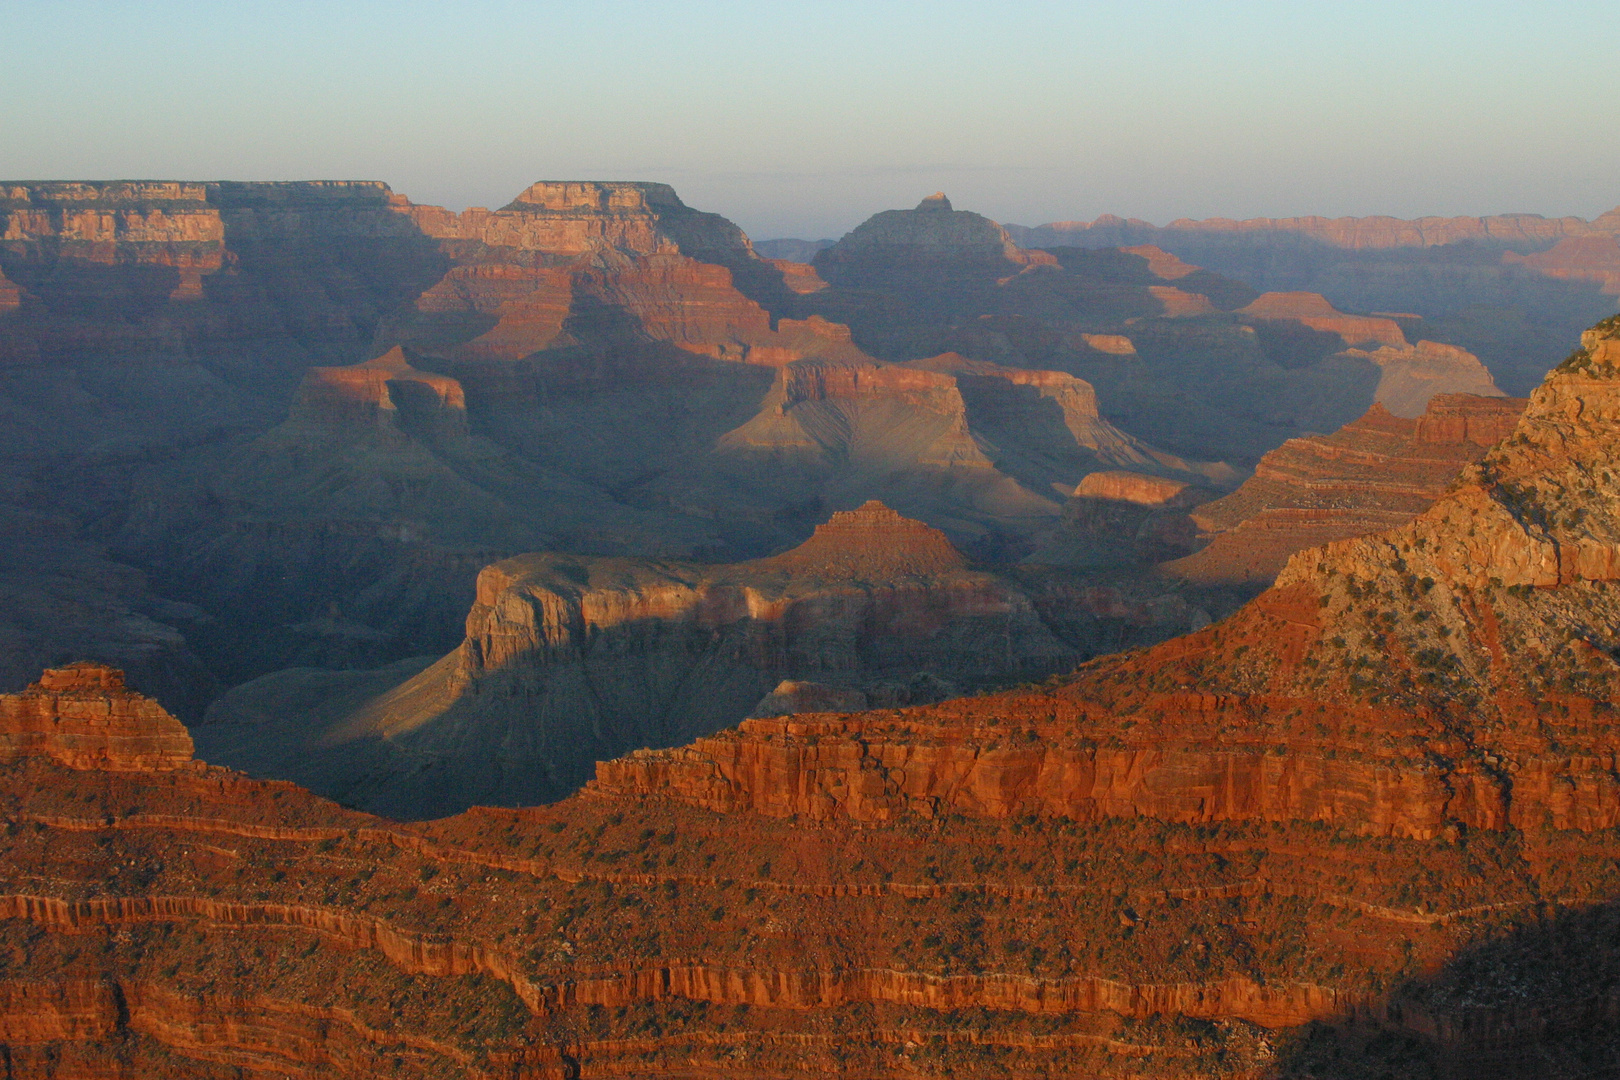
<point>804,118</point>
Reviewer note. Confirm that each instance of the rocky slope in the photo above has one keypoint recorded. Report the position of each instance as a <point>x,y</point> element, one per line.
<point>569,660</point>
<point>1370,475</point>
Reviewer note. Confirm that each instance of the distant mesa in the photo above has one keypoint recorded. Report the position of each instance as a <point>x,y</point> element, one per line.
<point>1112,344</point>
<point>1314,310</point>
<point>1134,488</point>
<point>928,235</point>
<point>596,197</point>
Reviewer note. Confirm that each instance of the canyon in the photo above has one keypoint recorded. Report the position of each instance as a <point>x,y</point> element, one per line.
<point>569,640</point>
<point>1364,824</point>
<point>260,426</point>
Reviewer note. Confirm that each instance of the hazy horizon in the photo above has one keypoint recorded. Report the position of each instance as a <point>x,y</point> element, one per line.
<point>803,122</point>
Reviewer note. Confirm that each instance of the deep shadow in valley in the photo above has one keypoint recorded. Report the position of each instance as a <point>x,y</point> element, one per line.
<point>1538,999</point>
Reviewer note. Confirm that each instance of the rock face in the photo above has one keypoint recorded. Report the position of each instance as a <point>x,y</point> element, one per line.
<point>82,716</point>
<point>1376,473</point>
<point>570,660</point>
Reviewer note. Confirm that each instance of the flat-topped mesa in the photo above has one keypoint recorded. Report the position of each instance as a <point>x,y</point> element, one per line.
<point>871,543</point>
<point>1315,311</point>
<point>83,716</point>
<point>597,197</point>
<point>381,393</point>
<point>1117,485</point>
<point>569,218</point>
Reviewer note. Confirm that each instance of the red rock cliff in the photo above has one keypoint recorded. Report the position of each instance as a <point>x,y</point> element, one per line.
<point>82,716</point>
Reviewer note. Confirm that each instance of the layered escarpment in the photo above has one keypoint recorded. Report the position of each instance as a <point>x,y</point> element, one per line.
<point>568,660</point>
<point>245,928</point>
<point>84,717</point>
<point>1509,231</point>
<point>1378,472</point>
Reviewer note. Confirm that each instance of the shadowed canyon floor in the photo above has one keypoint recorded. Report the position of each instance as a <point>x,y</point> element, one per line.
<point>1364,827</point>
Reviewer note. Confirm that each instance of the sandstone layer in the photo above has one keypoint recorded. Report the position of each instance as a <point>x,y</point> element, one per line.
<point>1378,472</point>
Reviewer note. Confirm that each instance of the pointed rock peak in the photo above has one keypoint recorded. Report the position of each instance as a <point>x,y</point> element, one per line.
<point>392,360</point>
<point>936,201</point>
<point>871,543</point>
<point>84,717</point>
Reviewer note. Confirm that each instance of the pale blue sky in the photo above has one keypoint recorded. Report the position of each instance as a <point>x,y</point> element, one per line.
<point>802,119</point>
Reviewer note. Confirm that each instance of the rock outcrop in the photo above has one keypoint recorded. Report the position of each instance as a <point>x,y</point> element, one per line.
<point>570,660</point>
<point>1370,475</point>
<point>1124,519</point>
<point>1410,377</point>
<point>1314,310</point>
<point>83,716</point>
